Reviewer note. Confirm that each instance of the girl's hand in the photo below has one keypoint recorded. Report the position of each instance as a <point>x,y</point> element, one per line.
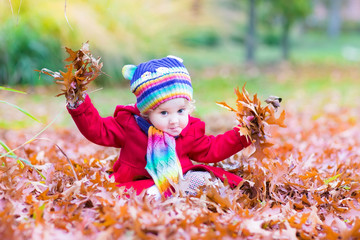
<point>254,130</point>
<point>74,103</point>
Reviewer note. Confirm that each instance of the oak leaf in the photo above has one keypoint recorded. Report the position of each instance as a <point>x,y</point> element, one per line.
<point>82,69</point>
<point>255,120</point>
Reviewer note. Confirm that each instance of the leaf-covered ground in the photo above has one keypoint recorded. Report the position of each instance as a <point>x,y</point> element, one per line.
<point>311,190</point>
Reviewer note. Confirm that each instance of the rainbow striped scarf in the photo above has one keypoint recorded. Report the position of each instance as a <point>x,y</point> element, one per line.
<point>163,164</point>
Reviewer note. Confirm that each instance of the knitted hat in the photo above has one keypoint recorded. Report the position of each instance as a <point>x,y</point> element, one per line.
<point>157,81</point>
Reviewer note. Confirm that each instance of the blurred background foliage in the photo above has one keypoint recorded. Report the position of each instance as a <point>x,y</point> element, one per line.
<point>276,48</point>
<point>33,33</point>
<point>208,35</point>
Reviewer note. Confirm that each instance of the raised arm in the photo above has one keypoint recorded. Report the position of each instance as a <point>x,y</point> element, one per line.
<point>212,149</point>
<point>103,131</point>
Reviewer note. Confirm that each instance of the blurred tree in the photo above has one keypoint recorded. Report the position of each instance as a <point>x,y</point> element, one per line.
<point>334,18</point>
<point>289,13</point>
<point>251,32</point>
<point>196,7</point>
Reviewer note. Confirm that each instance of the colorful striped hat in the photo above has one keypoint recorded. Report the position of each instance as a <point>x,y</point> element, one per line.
<point>157,81</point>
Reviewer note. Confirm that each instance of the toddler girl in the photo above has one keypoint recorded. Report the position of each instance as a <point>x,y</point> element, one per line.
<point>157,136</point>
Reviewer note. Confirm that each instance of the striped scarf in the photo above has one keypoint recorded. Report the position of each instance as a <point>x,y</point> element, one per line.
<point>163,164</point>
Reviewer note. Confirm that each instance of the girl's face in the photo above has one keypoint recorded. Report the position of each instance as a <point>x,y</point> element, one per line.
<point>171,116</point>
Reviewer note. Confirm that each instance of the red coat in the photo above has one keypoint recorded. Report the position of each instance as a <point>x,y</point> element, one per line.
<point>122,131</point>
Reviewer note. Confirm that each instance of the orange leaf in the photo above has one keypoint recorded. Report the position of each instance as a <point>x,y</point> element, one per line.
<point>73,55</point>
<point>225,105</point>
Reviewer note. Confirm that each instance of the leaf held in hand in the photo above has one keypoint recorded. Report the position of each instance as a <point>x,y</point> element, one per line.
<point>255,119</point>
<point>82,69</point>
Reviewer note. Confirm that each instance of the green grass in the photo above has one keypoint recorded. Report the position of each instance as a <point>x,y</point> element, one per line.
<point>319,48</point>
<point>216,71</point>
<point>207,91</point>
<point>308,47</point>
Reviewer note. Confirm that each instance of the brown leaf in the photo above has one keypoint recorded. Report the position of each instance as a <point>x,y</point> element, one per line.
<point>72,55</point>
<point>82,69</point>
<point>254,119</point>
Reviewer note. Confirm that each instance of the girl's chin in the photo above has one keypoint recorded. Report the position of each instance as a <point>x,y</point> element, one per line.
<point>174,132</point>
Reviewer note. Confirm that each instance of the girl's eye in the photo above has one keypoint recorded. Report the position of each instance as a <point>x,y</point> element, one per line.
<point>181,110</point>
<point>164,113</point>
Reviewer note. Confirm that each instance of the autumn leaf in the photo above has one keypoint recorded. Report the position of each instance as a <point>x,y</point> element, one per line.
<point>82,69</point>
<point>73,55</point>
<point>310,190</point>
<point>255,119</point>
<point>282,198</point>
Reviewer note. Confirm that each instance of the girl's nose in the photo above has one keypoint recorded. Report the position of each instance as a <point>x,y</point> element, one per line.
<point>174,120</point>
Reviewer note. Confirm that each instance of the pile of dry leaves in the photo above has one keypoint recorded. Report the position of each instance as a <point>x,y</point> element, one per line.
<point>306,186</point>
<point>309,190</point>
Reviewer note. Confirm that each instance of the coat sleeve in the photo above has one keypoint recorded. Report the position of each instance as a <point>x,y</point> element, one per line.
<point>103,131</point>
<point>211,149</point>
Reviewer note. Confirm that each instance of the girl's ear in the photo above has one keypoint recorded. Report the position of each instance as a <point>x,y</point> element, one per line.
<point>128,71</point>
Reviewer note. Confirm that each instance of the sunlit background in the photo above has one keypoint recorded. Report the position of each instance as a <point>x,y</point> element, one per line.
<point>297,51</point>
